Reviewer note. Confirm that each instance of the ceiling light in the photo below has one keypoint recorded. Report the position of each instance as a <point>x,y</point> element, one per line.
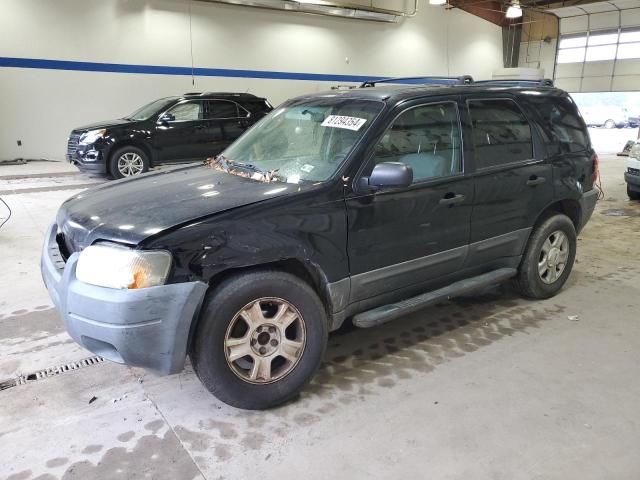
<point>437,2</point>
<point>514,10</point>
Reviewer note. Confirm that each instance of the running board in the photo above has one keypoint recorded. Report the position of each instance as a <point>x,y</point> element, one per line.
<point>392,311</point>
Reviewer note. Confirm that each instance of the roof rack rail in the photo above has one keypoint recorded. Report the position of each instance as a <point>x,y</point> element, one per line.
<point>517,82</point>
<point>427,80</point>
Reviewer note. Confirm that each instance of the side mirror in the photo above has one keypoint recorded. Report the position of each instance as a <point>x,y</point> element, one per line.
<point>389,175</point>
<point>166,118</point>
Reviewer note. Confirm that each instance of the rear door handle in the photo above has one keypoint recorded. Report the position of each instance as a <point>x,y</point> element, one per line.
<point>451,199</point>
<point>535,180</point>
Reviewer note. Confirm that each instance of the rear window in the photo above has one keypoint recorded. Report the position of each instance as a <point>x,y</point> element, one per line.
<point>257,106</point>
<point>501,133</point>
<point>563,127</point>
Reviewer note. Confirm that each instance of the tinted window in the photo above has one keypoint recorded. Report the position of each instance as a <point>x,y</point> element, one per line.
<point>187,111</point>
<point>426,138</point>
<point>563,126</point>
<point>501,133</point>
<point>222,109</point>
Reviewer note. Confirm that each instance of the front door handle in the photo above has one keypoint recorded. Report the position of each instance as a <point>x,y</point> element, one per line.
<point>535,180</point>
<point>452,199</point>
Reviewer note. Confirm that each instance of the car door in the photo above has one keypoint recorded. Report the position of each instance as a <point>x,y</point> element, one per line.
<point>180,132</point>
<point>513,181</point>
<point>408,238</point>
<point>228,121</point>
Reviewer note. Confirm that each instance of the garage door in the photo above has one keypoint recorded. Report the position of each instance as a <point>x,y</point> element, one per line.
<point>599,47</point>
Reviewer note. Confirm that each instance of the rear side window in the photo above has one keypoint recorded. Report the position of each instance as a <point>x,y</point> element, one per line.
<point>501,133</point>
<point>257,106</point>
<point>563,127</point>
<point>221,109</point>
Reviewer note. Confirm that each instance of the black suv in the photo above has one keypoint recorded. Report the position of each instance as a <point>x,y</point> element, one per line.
<point>365,204</point>
<point>173,129</point>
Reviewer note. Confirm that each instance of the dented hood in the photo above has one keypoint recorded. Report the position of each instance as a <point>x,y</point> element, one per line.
<point>131,210</point>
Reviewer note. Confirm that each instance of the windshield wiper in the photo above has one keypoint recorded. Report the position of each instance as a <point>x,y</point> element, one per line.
<point>231,166</point>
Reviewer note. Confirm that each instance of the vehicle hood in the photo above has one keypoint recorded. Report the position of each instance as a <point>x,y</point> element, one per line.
<point>104,124</point>
<point>130,210</point>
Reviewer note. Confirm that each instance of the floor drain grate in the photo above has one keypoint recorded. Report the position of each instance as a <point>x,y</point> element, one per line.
<point>50,372</point>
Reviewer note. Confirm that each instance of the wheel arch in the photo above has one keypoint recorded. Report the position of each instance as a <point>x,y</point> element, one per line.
<point>306,271</point>
<point>569,207</point>
<point>132,143</point>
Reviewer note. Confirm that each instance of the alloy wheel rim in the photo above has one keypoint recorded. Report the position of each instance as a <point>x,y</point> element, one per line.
<point>129,164</point>
<point>265,340</point>
<point>553,258</point>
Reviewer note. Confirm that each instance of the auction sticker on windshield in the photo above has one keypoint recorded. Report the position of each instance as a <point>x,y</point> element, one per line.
<point>341,121</point>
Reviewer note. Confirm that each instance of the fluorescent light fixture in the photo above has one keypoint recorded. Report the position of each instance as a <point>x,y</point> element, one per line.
<point>437,2</point>
<point>514,10</point>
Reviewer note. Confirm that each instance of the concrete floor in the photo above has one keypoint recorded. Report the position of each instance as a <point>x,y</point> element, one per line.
<point>486,387</point>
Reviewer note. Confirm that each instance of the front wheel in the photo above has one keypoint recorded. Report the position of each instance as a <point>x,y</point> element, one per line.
<point>128,161</point>
<point>610,124</point>
<point>260,338</point>
<point>548,258</point>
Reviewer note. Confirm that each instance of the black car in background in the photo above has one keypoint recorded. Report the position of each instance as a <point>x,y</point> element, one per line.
<point>191,127</point>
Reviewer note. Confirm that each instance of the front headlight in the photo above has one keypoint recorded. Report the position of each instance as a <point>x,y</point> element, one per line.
<point>115,266</point>
<point>91,136</point>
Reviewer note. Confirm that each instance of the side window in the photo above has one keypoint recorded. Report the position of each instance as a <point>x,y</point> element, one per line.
<point>501,133</point>
<point>221,109</point>
<point>427,138</point>
<point>187,111</point>
<point>562,124</point>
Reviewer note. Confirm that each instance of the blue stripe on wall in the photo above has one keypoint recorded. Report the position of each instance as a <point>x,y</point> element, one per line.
<point>40,63</point>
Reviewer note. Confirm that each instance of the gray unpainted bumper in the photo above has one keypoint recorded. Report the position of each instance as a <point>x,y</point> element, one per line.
<point>633,181</point>
<point>146,328</point>
<point>587,205</point>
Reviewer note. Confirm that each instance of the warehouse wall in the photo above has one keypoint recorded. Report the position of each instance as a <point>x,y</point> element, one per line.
<point>41,105</point>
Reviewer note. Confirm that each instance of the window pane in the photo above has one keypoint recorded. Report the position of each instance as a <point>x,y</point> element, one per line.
<point>605,52</point>
<point>187,111</point>
<point>571,55</point>
<point>629,50</point>
<point>603,38</point>
<point>571,42</point>
<point>562,125</point>
<point>425,138</point>
<point>222,109</point>
<point>501,134</point>
<point>630,36</point>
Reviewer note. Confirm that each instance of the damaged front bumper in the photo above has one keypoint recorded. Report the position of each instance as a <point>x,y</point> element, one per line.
<point>146,328</point>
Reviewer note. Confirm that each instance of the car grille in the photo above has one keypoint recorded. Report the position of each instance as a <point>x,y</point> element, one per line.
<point>633,171</point>
<point>72,143</point>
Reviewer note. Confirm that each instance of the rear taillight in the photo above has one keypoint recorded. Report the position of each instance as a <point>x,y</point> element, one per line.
<point>596,168</point>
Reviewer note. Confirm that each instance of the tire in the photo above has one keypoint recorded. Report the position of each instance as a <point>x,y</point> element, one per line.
<point>128,159</point>
<point>532,280</point>
<point>221,329</point>
<point>610,124</point>
<point>632,194</point>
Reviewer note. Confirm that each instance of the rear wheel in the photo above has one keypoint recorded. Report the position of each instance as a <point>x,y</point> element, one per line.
<point>610,124</point>
<point>632,194</point>
<point>548,258</point>
<point>260,338</point>
<point>128,161</point>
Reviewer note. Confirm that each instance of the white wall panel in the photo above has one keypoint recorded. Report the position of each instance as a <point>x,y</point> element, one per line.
<point>596,84</point>
<point>628,67</point>
<point>631,18</point>
<point>626,83</point>
<point>569,84</point>
<point>156,32</point>
<point>568,70</point>
<point>601,21</point>
<point>574,25</point>
<point>598,69</point>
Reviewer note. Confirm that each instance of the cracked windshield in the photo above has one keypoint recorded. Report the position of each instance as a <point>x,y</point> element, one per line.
<point>301,141</point>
